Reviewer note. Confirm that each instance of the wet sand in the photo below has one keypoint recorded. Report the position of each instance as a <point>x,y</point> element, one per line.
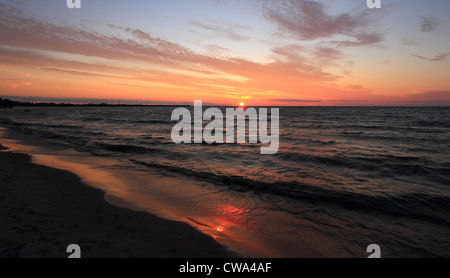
<point>43,210</point>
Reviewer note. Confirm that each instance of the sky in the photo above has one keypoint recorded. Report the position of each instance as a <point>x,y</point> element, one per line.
<point>261,52</point>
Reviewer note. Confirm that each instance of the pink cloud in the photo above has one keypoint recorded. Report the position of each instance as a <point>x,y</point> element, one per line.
<point>25,34</point>
<point>308,20</point>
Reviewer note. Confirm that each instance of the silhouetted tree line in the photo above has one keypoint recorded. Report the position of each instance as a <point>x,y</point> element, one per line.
<point>6,103</point>
<point>12,103</point>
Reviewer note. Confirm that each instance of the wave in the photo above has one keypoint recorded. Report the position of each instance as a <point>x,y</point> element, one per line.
<point>432,208</point>
<point>43,125</point>
<point>9,122</point>
<point>435,123</point>
<point>152,122</point>
<point>360,162</point>
<point>92,119</point>
<point>132,121</point>
<point>387,165</point>
<point>128,148</point>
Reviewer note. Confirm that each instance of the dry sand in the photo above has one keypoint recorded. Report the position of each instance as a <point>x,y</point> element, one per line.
<point>43,210</point>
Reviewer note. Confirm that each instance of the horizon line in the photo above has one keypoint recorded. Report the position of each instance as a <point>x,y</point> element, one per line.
<point>141,102</point>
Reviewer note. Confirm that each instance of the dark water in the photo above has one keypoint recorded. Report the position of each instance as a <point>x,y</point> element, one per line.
<point>391,162</point>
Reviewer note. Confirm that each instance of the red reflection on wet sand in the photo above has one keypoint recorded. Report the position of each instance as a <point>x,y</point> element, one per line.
<point>229,215</point>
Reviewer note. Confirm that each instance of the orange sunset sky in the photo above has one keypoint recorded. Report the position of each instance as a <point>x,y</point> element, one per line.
<point>259,52</point>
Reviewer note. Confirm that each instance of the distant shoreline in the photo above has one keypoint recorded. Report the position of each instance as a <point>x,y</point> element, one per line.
<point>7,103</point>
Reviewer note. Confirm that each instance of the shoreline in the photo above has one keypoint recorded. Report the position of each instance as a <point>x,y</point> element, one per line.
<point>46,209</point>
<point>170,197</point>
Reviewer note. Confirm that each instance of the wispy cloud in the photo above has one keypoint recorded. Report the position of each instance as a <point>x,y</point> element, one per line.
<point>127,53</point>
<point>222,30</point>
<point>23,31</point>
<point>283,100</point>
<point>309,20</point>
<point>361,39</point>
<point>431,95</point>
<point>428,98</point>
<point>429,24</point>
<point>437,58</point>
<point>409,41</point>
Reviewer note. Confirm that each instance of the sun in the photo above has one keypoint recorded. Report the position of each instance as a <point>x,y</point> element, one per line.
<point>242,104</point>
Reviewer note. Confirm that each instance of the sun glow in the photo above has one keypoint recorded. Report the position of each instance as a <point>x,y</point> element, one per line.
<point>241,104</point>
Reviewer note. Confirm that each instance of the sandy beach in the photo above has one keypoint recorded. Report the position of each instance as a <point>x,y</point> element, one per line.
<point>43,210</point>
